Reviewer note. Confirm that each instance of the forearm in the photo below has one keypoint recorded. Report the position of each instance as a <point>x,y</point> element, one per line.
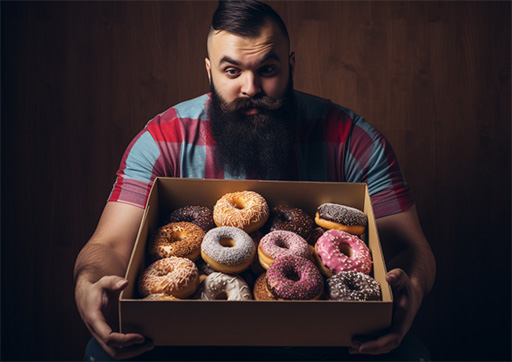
<point>97,260</point>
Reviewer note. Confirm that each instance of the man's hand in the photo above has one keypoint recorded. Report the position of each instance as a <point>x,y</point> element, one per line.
<point>406,303</point>
<point>95,301</point>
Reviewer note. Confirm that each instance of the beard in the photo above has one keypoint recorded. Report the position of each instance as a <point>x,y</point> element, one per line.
<point>258,145</point>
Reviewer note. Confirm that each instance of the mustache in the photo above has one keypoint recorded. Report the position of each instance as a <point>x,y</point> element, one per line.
<point>241,104</point>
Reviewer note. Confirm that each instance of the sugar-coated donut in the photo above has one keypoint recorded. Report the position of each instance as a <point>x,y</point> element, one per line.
<point>284,217</point>
<point>181,239</point>
<point>198,215</point>
<point>341,217</point>
<point>294,278</point>
<point>260,289</point>
<point>225,287</point>
<point>281,243</point>
<point>228,249</point>
<point>352,285</point>
<point>246,210</point>
<point>338,250</point>
<point>160,296</point>
<point>174,276</point>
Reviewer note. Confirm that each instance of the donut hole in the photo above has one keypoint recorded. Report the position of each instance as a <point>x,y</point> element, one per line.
<point>238,204</point>
<point>292,275</point>
<point>179,235</point>
<point>227,242</point>
<point>221,296</point>
<point>346,249</point>
<point>280,243</point>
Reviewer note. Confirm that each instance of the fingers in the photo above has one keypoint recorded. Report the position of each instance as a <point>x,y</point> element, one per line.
<point>383,344</point>
<point>397,278</point>
<point>124,346</point>
<point>113,283</point>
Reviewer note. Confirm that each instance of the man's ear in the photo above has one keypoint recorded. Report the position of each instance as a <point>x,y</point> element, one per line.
<point>291,60</point>
<point>208,68</point>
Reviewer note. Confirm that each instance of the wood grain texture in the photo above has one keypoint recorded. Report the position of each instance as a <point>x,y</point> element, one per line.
<point>81,79</point>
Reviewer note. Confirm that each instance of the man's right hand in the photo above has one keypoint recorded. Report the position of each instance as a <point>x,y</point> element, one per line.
<point>95,301</point>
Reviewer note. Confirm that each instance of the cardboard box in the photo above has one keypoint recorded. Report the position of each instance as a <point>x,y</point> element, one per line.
<point>256,323</point>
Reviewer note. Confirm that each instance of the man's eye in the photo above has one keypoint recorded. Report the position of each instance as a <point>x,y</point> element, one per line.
<point>267,69</point>
<point>232,72</point>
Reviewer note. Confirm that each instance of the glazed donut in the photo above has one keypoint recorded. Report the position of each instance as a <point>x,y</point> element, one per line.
<point>338,250</point>
<point>228,249</point>
<point>261,291</point>
<point>294,278</point>
<point>160,296</point>
<point>174,276</point>
<point>352,285</point>
<point>198,215</point>
<point>281,243</point>
<point>181,239</point>
<point>284,217</point>
<point>246,210</point>
<point>223,286</point>
<point>341,217</point>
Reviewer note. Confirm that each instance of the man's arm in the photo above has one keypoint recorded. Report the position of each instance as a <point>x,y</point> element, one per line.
<point>99,271</point>
<point>412,270</point>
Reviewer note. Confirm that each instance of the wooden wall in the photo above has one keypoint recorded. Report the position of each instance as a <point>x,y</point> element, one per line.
<point>80,79</point>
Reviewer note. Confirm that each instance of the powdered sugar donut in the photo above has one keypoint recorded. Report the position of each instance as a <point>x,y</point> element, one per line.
<point>246,210</point>
<point>174,276</point>
<point>341,217</point>
<point>338,250</point>
<point>294,278</point>
<point>228,249</point>
<point>281,243</point>
<point>223,286</point>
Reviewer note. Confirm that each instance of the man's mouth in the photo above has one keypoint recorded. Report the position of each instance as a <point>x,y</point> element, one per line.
<point>251,111</point>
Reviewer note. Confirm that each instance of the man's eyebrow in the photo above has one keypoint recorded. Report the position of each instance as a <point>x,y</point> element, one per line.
<point>270,55</point>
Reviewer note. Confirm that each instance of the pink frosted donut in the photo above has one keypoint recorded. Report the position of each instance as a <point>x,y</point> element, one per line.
<point>294,278</point>
<point>281,243</point>
<point>338,250</point>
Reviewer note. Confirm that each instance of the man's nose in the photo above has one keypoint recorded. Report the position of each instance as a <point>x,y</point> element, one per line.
<point>251,85</point>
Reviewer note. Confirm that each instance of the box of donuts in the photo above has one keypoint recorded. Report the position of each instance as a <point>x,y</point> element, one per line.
<point>256,263</point>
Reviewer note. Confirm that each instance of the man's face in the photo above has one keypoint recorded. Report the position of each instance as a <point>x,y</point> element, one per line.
<point>243,67</point>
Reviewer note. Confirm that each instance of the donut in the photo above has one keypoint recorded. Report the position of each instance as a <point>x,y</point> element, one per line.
<point>260,289</point>
<point>181,239</point>
<point>228,249</point>
<point>281,243</point>
<point>341,217</point>
<point>223,286</point>
<point>284,217</point>
<point>294,278</point>
<point>174,276</point>
<point>352,285</point>
<point>198,215</point>
<point>315,235</point>
<point>246,210</point>
<point>160,296</point>
<point>338,250</point>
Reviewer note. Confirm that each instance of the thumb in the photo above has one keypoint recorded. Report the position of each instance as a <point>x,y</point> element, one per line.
<point>113,283</point>
<point>397,278</point>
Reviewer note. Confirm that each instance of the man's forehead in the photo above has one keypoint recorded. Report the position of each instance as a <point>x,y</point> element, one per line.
<point>269,41</point>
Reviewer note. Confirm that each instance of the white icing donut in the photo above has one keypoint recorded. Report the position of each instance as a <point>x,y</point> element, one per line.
<point>223,286</point>
<point>246,210</point>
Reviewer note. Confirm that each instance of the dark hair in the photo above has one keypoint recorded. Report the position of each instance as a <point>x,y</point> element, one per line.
<point>245,18</point>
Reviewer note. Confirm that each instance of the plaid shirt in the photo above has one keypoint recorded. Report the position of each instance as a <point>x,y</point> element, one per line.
<point>332,144</point>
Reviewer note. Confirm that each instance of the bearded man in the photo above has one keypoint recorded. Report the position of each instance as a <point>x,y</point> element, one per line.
<point>254,125</point>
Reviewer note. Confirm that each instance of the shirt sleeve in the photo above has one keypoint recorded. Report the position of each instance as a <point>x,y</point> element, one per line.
<point>371,159</point>
<point>136,172</point>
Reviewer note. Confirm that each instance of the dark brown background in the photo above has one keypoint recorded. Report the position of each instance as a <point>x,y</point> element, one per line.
<point>80,79</point>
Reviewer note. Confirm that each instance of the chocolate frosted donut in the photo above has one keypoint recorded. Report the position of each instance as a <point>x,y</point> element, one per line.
<point>287,218</point>
<point>341,217</point>
<point>199,215</point>
<point>352,285</point>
